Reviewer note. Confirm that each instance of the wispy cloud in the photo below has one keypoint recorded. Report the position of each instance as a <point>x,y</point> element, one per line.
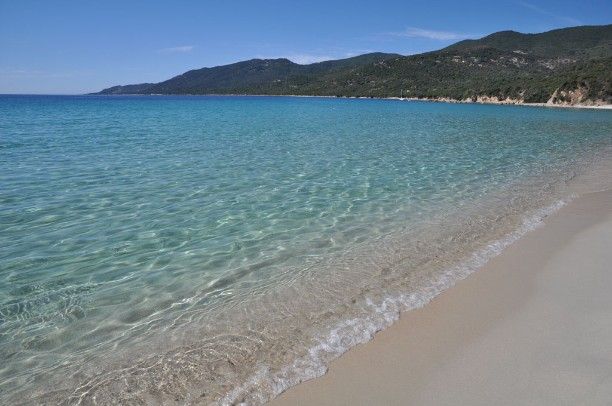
<point>16,73</point>
<point>415,32</point>
<point>349,54</point>
<point>174,50</point>
<point>302,59</point>
<point>305,59</point>
<point>540,10</point>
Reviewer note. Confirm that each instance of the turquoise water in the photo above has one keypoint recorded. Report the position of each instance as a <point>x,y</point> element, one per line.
<point>221,249</point>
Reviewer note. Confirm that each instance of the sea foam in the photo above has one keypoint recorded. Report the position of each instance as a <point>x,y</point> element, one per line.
<point>383,314</point>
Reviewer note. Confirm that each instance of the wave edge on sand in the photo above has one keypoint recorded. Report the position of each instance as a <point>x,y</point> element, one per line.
<point>352,332</point>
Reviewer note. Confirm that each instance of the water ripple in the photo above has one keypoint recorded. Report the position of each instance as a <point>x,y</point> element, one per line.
<point>214,249</point>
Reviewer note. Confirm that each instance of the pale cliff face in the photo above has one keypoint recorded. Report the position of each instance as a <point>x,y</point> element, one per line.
<point>578,96</point>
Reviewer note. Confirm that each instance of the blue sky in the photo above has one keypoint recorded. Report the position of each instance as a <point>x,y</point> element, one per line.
<point>82,46</point>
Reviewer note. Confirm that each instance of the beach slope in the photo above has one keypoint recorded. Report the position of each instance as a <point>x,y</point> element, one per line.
<point>533,327</point>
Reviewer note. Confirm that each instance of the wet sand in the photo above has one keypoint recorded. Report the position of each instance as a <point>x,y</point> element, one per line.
<point>532,327</point>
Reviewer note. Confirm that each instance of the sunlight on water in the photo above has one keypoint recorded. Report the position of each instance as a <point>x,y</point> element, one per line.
<point>220,249</point>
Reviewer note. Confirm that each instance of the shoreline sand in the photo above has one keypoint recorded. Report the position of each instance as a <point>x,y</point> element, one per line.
<point>532,326</point>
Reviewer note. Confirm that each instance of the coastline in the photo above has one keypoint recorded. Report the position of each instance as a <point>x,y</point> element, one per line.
<point>508,102</point>
<point>527,328</point>
<point>486,100</point>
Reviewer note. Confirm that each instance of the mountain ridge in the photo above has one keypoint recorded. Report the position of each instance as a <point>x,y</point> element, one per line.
<point>563,66</point>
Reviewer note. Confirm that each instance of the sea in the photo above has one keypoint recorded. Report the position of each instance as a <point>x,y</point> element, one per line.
<point>221,249</point>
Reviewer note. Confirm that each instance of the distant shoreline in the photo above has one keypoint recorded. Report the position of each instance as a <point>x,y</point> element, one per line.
<point>432,100</point>
<point>510,103</point>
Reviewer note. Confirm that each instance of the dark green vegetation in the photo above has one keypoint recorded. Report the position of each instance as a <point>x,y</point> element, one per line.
<point>571,65</point>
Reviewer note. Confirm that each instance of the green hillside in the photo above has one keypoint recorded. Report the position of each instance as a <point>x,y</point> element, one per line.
<point>261,76</point>
<point>576,42</point>
<point>571,64</point>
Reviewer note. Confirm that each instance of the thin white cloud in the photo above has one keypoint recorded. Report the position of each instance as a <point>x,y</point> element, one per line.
<point>13,73</point>
<point>302,59</point>
<point>179,49</point>
<point>305,59</point>
<point>540,10</point>
<point>357,52</point>
<point>415,32</point>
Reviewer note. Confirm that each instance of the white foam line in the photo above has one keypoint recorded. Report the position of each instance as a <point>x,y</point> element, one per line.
<point>352,332</point>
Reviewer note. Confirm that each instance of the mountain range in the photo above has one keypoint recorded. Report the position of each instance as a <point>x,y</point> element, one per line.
<point>565,66</point>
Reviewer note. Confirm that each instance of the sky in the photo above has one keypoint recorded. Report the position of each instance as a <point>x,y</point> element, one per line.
<point>79,46</point>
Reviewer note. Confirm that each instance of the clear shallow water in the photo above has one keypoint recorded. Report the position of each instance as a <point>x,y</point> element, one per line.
<point>221,249</point>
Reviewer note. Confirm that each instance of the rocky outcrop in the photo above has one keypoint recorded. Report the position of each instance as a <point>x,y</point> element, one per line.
<point>573,97</point>
<point>497,100</point>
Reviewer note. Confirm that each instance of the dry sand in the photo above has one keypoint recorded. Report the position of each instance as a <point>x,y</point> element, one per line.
<point>533,327</point>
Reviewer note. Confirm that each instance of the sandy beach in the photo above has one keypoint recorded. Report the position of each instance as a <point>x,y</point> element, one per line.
<point>532,327</point>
